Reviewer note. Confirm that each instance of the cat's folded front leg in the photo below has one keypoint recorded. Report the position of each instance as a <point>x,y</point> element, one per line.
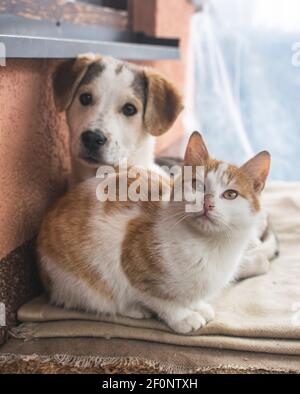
<point>135,312</point>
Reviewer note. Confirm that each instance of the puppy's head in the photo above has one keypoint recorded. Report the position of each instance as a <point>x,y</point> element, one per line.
<point>113,107</point>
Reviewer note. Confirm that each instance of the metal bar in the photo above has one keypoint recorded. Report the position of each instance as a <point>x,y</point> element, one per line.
<point>46,39</point>
<point>48,47</point>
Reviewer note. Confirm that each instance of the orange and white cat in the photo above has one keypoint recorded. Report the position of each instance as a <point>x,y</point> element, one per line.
<point>134,259</point>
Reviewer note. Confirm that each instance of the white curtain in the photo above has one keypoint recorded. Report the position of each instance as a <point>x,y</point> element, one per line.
<point>244,93</point>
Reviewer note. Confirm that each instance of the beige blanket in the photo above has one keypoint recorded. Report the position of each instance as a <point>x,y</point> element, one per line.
<point>260,314</point>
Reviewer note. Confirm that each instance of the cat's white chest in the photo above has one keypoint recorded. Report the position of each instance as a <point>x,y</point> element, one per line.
<point>201,268</point>
<point>218,268</point>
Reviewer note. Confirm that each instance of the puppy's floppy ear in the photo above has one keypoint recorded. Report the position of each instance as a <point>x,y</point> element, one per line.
<point>67,78</point>
<point>163,103</point>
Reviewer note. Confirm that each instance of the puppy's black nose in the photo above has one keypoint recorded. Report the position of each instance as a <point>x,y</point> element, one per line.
<point>92,140</point>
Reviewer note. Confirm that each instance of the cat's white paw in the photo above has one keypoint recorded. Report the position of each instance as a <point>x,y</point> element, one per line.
<point>137,312</point>
<point>205,310</point>
<point>192,322</point>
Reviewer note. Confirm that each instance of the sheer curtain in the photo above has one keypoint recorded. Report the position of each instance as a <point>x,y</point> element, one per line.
<point>244,93</point>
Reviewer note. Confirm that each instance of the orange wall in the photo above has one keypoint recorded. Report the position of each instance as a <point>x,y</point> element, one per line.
<point>33,150</point>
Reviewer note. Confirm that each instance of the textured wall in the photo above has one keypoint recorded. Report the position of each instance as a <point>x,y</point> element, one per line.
<point>34,160</point>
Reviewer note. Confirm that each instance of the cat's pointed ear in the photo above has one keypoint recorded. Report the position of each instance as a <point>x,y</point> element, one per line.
<point>196,153</point>
<point>257,169</point>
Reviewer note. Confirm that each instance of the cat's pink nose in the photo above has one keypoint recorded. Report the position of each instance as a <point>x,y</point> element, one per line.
<point>208,202</point>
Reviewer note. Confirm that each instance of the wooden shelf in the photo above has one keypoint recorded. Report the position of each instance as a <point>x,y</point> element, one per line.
<point>62,11</point>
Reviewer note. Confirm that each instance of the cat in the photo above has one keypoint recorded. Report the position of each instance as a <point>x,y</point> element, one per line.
<point>139,258</point>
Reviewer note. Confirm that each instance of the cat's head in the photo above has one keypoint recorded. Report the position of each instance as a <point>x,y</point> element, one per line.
<point>231,193</point>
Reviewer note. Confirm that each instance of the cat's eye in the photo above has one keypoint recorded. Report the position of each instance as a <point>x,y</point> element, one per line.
<point>129,110</point>
<point>86,99</point>
<point>230,194</point>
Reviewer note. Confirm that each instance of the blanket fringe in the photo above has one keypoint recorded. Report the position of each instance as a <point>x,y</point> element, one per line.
<point>83,363</point>
<point>92,364</point>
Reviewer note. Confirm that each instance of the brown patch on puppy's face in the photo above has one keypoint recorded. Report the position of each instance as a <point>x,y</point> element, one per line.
<point>92,72</point>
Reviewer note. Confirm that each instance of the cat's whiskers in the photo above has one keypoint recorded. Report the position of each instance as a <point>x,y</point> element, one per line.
<point>181,219</point>
<point>178,218</point>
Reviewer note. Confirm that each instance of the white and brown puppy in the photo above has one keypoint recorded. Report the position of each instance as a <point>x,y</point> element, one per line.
<point>114,110</point>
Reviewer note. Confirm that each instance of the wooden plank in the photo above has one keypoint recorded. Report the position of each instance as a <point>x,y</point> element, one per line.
<point>61,11</point>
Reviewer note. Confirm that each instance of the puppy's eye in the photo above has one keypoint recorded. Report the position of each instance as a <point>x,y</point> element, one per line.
<point>129,110</point>
<point>230,194</point>
<point>86,99</point>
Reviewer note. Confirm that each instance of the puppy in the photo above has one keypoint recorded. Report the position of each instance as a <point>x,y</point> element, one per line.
<point>114,111</point>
